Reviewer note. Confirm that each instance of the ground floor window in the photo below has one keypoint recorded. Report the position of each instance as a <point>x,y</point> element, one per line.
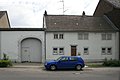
<point>55,51</point>
<point>106,51</point>
<point>86,51</point>
<point>58,51</point>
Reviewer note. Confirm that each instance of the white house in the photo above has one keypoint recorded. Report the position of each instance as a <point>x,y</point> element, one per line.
<point>93,38</point>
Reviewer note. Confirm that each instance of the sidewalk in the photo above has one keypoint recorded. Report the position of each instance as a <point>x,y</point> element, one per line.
<point>28,65</point>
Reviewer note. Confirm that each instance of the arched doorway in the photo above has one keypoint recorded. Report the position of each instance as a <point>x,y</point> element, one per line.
<point>31,50</point>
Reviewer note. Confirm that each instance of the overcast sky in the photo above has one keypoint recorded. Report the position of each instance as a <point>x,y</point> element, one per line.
<point>29,13</point>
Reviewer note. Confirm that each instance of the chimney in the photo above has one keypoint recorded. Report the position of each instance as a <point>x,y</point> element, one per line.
<point>45,13</point>
<point>83,14</point>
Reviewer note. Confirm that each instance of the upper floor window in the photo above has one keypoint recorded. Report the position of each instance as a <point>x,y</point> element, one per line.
<point>55,36</point>
<point>58,36</point>
<point>106,36</point>
<point>83,36</point>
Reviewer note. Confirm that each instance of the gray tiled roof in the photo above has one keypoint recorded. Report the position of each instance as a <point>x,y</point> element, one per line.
<point>77,23</point>
<point>116,3</point>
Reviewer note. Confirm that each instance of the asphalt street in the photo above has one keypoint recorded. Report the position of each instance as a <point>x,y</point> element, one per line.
<point>38,73</point>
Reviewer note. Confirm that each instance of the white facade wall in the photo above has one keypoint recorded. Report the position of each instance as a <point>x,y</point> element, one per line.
<point>11,43</point>
<point>95,44</point>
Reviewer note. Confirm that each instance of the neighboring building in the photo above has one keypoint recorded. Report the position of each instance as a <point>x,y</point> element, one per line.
<point>93,38</point>
<point>110,8</point>
<point>23,44</point>
<point>4,20</point>
<point>4,23</point>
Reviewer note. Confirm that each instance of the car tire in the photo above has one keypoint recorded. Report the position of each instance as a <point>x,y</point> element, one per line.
<point>53,67</point>
<point>78,67</point>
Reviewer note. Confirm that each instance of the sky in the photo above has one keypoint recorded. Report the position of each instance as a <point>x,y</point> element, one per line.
<point>29,13</point>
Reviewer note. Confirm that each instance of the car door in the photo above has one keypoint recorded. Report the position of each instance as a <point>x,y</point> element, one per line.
<point>63,63</point>
<point>73,62</point>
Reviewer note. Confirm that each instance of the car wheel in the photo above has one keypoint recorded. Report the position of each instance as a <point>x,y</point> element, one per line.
<point>52,67</point>
<point>78,67</point>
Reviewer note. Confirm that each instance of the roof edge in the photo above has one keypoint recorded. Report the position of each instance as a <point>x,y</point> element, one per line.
<point>22,29</point>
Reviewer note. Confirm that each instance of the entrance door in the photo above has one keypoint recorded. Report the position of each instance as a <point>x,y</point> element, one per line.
<point>25,54</point>
<point>73,50</point>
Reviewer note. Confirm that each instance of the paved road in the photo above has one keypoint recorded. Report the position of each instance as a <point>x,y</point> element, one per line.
<point>38,73</point>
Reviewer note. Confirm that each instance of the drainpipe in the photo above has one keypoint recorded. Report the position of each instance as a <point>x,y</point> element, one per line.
<point>45,42</point>
<point>0,44</point>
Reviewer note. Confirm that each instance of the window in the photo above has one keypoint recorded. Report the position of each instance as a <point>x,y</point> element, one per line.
<point>106,36</point>
<point>103,51</point>
<point>64,59</point>
<point>55,36</point>
<point>83,36</point>
<point>109,36</point>
<point>109,50</point>
<point>80,36</point>
<point>106,51</point>
<point>61,51</point>
<point>73,59</point>
<point>103,36</point>
<point>86,51</point>
<point>60,36</point>
<point>55,51</point>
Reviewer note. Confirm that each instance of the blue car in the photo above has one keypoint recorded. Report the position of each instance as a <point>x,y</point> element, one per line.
<point>65,62</point>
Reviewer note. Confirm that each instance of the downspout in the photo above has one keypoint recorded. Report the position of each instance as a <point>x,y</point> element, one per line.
<point>0,44</point>
<point>119,44</point>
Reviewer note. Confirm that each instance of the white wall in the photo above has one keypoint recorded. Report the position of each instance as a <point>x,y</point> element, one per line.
<point>95,43</point>
<point>11,42</point>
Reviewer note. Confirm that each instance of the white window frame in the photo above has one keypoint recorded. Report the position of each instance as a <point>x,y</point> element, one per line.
<point>80,36</point>
<point>83,36</point>
<point>106,36</point>
<point>61,36</point>
<point>55,52</point>
<point>86,36</point>
<point>58,51</point>
<point>106,52</point>
<point>61,52</point>
<point>109,36</point>
<point>109,52</point>
<point>86,52</point>
<point>56,36</point>
<point>103,52</point>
